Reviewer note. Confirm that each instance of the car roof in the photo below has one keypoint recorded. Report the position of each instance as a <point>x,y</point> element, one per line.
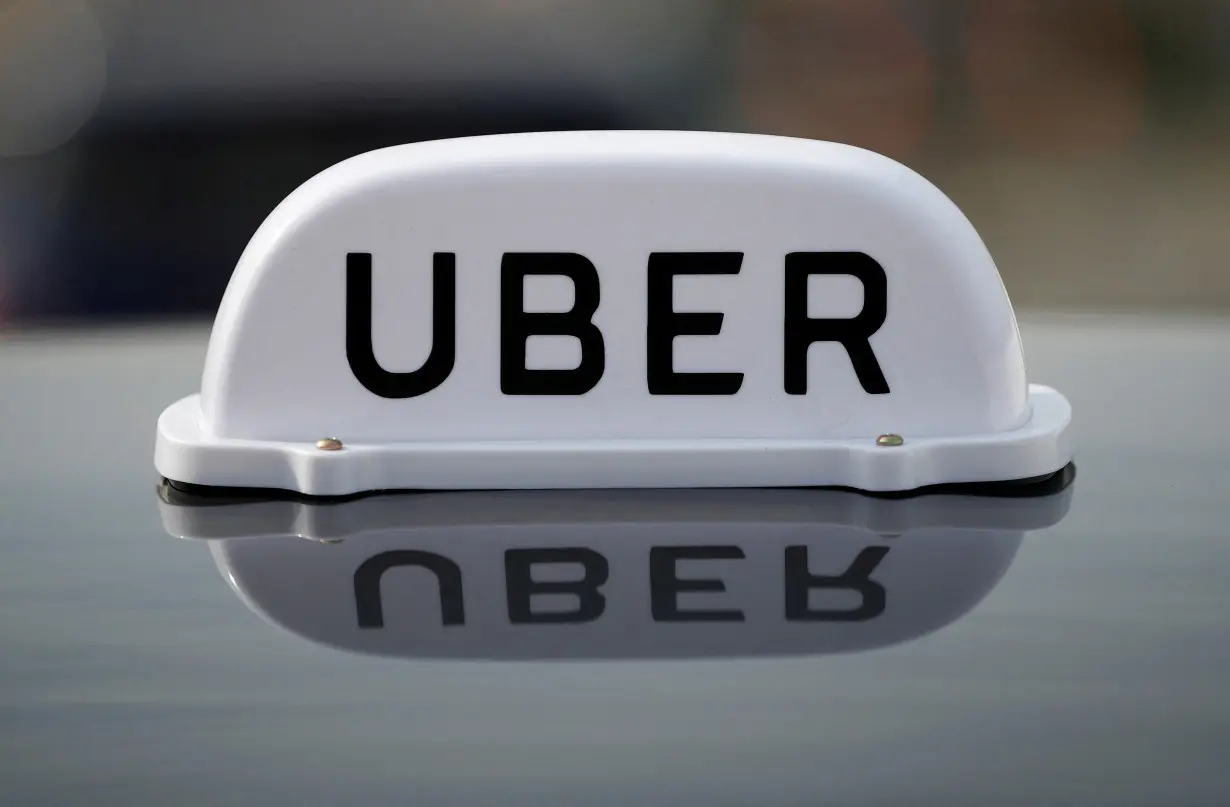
<point>1064,649</point>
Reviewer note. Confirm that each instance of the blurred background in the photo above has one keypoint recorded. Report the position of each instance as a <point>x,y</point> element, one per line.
<point>143,141</point>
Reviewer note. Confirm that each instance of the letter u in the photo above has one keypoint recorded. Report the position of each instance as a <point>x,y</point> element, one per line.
<point>359,351</point>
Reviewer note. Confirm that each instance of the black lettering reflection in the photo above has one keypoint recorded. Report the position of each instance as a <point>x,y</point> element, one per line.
<point>800,581</point>
<point>522,587</point>
<point>665,585</point>
<point>369,604</point>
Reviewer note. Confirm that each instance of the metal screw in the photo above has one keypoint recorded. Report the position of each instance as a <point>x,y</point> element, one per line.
<point>329,444</point>
<point>890,440</point>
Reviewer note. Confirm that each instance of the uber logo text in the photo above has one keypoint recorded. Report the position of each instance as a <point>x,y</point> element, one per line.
<point>665,585</point>
<point>663,324</point>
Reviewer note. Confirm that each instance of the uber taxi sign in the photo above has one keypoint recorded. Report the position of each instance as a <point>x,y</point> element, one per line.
<point>614,309</point>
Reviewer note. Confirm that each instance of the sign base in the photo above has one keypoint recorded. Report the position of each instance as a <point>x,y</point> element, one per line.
<point>1042,447</point>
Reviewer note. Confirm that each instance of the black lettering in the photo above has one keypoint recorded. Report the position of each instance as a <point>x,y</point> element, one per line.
<point>664,323</point>
<point>367,599</point>
<point>800,580</point>
<point>519,578</point>
<point>516,326</point>
<point>665,586</point>
<point>853,334</point>
<point>359,351</point>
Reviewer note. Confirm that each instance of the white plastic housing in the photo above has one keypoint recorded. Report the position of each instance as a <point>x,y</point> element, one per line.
<point>277,375</point>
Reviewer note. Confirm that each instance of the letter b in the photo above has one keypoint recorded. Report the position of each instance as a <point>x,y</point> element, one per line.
<point>516,325</point>
<point>522,587</point>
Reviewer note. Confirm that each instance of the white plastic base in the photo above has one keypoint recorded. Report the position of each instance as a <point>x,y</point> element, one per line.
<point>184,453</point>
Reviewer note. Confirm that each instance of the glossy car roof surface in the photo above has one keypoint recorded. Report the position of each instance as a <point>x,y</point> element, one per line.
<point>1072,650</point>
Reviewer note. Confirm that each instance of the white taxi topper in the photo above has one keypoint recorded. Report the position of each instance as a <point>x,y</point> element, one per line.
<point>614,309</point>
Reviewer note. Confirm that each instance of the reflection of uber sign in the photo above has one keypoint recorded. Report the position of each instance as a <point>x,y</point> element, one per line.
<point>614,309</point>
<point>610,574</point>
<point>665,585</point>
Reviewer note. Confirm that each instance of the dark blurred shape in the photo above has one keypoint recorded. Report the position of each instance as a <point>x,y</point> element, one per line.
<point>52,72</point>
<point>155,217</point>
<point>142,141</point>
<point>852,71</point>
<point>1057,77</point>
